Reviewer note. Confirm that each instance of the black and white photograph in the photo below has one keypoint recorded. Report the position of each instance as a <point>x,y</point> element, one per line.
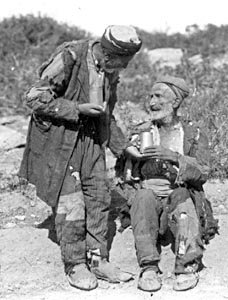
<point>113,150</point>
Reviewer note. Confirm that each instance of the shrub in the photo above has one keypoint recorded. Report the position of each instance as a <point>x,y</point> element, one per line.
<point>27,41</point>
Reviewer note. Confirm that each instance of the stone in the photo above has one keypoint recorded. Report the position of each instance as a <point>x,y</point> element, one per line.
<point>219,61</point>
<point>10,138</point>
<point>196,59</point>
<point>20,218</point>
<point>170,57</point>
<point>9,225</point>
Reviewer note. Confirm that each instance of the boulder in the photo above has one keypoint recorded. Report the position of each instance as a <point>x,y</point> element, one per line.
<point>219,61</point>
<point>170,57</point>
<point>196,59</point>
<point>16,122</point>
<point>10,138</point>
<point>10,162</point>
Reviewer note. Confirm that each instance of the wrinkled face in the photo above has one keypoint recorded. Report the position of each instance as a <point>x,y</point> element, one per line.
<point>115,63</point>
<point>161,102</point>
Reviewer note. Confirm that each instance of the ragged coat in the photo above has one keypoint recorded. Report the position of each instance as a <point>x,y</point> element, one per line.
<point>192,174</point>
<point>55,118</point>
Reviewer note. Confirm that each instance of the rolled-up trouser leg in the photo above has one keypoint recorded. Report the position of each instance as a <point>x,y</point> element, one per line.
<point>145,210</point>
<point>185,227</point>
<point>70,229</point>
<point>97,199</point>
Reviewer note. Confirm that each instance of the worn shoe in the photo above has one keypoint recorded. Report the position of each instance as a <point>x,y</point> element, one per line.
<point>184,282</point>
<point>149,281</point>
<point>81,278</point>
<point>107,271</point>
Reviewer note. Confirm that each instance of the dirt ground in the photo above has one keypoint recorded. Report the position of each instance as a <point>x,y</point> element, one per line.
<point>31,266</point>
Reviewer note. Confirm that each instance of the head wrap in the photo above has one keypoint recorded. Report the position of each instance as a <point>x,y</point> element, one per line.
<point>121,40</point>
<point>176,84</point>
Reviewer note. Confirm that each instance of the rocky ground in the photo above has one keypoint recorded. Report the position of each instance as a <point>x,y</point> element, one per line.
<point>31,265</point>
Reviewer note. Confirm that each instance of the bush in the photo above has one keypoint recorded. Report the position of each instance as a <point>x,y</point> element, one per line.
<point>27,41</point>
<point>206,105</point>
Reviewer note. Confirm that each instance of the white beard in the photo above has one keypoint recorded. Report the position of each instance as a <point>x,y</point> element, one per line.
<point>160,115</point>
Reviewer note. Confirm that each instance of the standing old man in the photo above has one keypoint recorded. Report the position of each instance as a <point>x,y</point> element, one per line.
<point>166,183</point>
<point>71,124</point>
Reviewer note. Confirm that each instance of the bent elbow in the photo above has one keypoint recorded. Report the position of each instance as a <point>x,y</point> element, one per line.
<point>36,98</point>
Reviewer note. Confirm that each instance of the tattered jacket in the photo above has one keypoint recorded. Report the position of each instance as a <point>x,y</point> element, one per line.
<point>55,119</point>
<point>192,174</point>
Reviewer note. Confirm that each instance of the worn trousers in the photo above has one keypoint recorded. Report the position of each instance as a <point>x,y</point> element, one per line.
<point>83,207</point>
<point>149,213</point>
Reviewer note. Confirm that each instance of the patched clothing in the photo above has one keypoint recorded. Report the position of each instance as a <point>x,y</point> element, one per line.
<point>55,121</point>
<point>61,142</point>
<point>165,199</point>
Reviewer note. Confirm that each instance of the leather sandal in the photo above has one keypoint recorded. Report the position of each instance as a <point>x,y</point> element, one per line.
<point>80,277</point>
<point>184,282</point>
<point>149,281</point>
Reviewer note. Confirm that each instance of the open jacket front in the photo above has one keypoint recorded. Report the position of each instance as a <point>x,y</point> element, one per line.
<point>55,120</point>
<point>192,173</point>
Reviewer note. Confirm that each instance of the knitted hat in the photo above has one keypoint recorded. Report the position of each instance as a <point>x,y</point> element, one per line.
<point>121,40</point>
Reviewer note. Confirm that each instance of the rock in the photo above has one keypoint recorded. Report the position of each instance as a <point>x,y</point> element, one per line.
<point>10,138</point>
<point>20,218</point>
<point>10,119</point>
<point>170,57</point>
<point>222,209</point>
<point>219,61</point>
<point>10,161</point>
<point>9,225</point>
<point>16,122</point>
<point>196,59</point>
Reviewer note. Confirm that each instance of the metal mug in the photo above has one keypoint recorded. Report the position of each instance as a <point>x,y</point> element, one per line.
<point>146,140</point>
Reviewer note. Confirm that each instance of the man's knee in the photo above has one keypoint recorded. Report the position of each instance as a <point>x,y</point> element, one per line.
<point>179,195</point>
<point>145,198</point>
<point>143,206</point>
<point>70,217</point>
<point>72,205</point>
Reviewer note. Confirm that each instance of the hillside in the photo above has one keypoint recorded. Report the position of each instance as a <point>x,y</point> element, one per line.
<point>31,266</point>
<point>26,41</point>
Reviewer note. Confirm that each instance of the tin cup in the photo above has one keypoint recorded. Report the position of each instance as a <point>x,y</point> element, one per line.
<point>146,140</point>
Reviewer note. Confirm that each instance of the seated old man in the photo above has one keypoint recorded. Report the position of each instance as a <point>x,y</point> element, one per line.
<point>167,179</point>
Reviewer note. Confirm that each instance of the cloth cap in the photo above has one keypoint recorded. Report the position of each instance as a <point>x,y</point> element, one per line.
<point>176,84</point>
<point>121,40</point>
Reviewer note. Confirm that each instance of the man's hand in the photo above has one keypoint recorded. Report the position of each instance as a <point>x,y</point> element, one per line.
<point>159,152</point>
<point>134,153</point>
<point>90,109</point>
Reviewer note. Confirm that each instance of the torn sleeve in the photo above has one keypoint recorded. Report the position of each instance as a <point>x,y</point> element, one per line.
<point>46,97</point>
